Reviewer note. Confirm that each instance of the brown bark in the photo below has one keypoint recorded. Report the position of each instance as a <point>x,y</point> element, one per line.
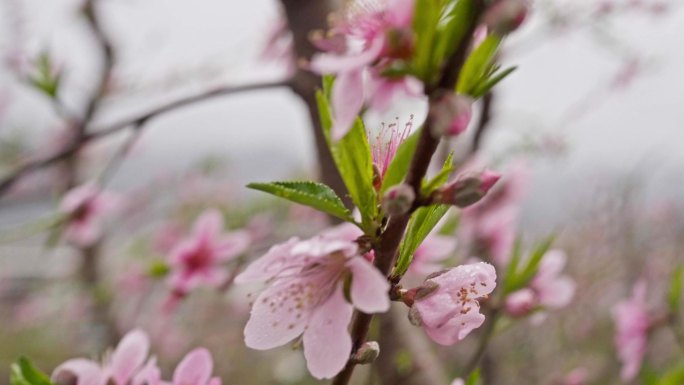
<point>303,17</point>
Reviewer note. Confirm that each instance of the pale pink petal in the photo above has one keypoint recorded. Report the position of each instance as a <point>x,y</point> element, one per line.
<point>521,303</point>
<point>322,247</point>
<point>400,13</point>
<point>481,273</point>
<point>83,233</point>
<point>551,266</point>
<point>331,64</point>
<point>129,356</point>
<point>269,265</point>
<point>209,225</point>
<point>194,369</point>
<point>346,101</point>
<point>557,294</point>
<point>458,381</point>
<point>215,381</point>
<point>148,375</point>
<point>327,343</point>
<point>277,316</point>
<point>345,232</point>
<point>231,245</point>
<point>369,288</point>
<point>77,196</point>
<point>456,329</point>
<point>86,372</point>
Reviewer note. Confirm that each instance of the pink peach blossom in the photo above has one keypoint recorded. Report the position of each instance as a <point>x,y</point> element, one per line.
<point>553,290</point>
<point>127,366</point>
<point>449,310</point>
<point>360,43</point>
<point>120,367</point>
<point>632,323</point>
<point>548,289</point>
<point>87,208</point>
<point>305,296</point>
<point>196,260</point>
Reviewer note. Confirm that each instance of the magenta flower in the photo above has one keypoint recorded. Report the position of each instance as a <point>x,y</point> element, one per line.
<point>632,324</point>
<point>196,261</point>
<point>305,296</point>
<point>87,208</point>
<point>363,42</point>
<point>446,305</point>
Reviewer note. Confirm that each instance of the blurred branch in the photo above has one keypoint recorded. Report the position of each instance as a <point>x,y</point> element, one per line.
<point>29,167</point>
<point>303,17</point>
<point>483,123</point>
<point>397,335</point>
<point>492,318</point>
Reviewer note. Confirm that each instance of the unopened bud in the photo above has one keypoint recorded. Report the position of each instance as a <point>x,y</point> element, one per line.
<point>398,199</point>
<point>450,114</point>
<point>467,191</point>
<point>520,303</point>
<point>367,353</point>
<point>505,16</point>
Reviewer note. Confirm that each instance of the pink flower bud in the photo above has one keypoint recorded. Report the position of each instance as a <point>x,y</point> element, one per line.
<point>450,115</point>
<point>520,303</point>
<point>505,16</point>
<point>467,191</point>
<point>398,200</point>
<point>489,179</point>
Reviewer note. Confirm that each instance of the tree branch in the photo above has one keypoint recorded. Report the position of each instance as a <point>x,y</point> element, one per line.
<point>34,165</point>
<point>390,239</point>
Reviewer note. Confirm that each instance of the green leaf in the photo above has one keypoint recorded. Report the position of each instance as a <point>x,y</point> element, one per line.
<point>425,22</point>
<point>25,373</point>
<point>312,194</point>
<point>516,256</point>
<point>353,159</point>
<point>441,178</point>
<point>674,376</point>
<point>474,378</point>
<point>454,26</point>
<point>674,294</point>
<point>522,278</point>
<point>492,81</point>
<point>477,65</point>
<point>421,224</point>
<point>45,78</point>
<point>324,113</point>
<point>398,167</point>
